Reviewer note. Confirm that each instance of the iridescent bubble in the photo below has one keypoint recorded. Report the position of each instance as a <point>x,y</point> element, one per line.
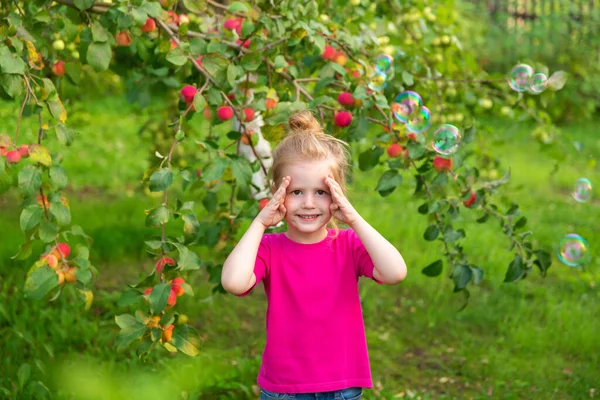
<point>539,83</point>
<point>405,104</point>
<point>520,77</point>
<point>446,139</point>
<point>419,122</point>
<point>384,63</point>
<point>377,81</point>
<point>583,190</point>
<point>573,250</point>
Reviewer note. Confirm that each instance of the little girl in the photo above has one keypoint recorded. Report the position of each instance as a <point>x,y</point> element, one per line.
<point>315,344</point>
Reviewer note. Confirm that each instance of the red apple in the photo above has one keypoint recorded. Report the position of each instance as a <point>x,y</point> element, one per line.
<point>394,150</point>
<point>270,103</point>
<point>328,53</point>
<point>263,203</point>
<point>123,38</point>
<point>442,164</point>
<point>245,44</point>
<point>225,113</point>
<point>346,99</point>
<point>24,151</point>
<point>249,114</point>
<point>187,93</point>
<point>149,26</point>
<point>468,203</point>
<point>13,156</point>
<point>59,68</point>
<point>343,118</point>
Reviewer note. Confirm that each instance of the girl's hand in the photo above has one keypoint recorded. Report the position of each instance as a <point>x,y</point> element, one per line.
<point>274,211</point>
<point>340,207</point>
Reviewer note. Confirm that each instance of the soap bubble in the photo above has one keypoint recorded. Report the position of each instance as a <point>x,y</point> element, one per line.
<point>377,81</point>
<point>520,77</point>
<point>384,63</point>
<point>539,83</point>
<point>420,122</point>
<point>446,139</point>
<point>583,190</point>
<point>405,104</point>
<point>573,250</point>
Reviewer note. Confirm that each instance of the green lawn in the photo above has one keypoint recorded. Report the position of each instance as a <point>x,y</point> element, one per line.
<point>536,339</point>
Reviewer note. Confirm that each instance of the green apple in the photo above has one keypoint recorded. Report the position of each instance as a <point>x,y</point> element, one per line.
<point>58,45</point>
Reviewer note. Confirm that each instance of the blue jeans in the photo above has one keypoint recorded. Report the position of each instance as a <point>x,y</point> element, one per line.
<point>354,393</point>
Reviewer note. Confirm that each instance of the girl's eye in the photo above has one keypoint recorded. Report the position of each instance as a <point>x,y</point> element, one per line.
<point>296,192</point>
<point>321,192</point>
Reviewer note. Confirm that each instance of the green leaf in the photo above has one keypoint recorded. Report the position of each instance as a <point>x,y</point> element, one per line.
<point>23,374</point>
<point>65,135</point>
<point>408,78</point>
<point>247,28</point>
<point>139,16</point>
<point>241,171</point>
<point>41,281</point>
<point>216,170</point>
<point>543,260</point>
<point>61,213</point>
<point>11,63</point>
<point>188,260</point>
<point>477,274</point>
<point>30,179</point>
<point>153,8</point>
<point>48,231</point>
<point>125,321</point>
<point>368,159</point>
<point>515,270</point>
<point>126,336</point>
<point>198,46</point>
<point>431,233</point>
<point>469,134</point>
<point>98,32</point>
<point>30,217</point>
<point>177,57</point>
<point>199,102</point>
<point>238,7</point>
<point>215,63</point>
<point>521,223</point>
<point>433,269</point>
<point>388,182</point>
<point>252,61</point>
<point>159,296</point>
<point>84,4</point>
<point>160,180</point>
<point>191,227</point>
<point>209,201</point>
<point>129,297</point>
<point>359,130</point>
<point>186,340</point>
<point>415,150</point>
<point>12,84</point>
<point>58,177</point>
<point>157,216</point>
<point>196,6</point>
<point>98,56</point>
<point>40,154</point>
<point>461,275</point>
<point>338,68</point>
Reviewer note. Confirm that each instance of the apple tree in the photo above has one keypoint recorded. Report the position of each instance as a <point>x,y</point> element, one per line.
<point>228,76</point>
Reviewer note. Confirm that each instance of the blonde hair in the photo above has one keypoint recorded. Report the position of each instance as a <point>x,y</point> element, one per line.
<point>306,141</point>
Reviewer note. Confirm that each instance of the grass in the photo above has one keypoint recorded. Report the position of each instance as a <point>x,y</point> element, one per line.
<point>536,339</point>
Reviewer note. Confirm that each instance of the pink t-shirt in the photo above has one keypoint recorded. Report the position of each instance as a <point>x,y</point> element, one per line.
<point>315,338</point>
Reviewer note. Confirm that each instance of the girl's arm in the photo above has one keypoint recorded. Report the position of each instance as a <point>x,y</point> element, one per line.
<point>390,267</point>
<point>237,275</point>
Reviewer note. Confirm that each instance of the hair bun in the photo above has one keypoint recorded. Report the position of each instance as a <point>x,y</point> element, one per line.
<point>304,121</point>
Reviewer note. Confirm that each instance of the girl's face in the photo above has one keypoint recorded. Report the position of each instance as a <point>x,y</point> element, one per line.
<point>307,200</point>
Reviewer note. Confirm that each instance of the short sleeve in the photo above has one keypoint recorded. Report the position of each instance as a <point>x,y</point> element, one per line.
<point>261,263</point>
<point>363,264</point>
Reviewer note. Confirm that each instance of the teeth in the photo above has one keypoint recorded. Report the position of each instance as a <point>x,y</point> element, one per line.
<point>308,216</point>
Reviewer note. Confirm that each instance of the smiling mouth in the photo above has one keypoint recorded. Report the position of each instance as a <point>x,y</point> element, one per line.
<point>308,217</point>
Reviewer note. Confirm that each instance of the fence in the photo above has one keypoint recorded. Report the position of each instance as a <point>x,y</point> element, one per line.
<point>541,28</point>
